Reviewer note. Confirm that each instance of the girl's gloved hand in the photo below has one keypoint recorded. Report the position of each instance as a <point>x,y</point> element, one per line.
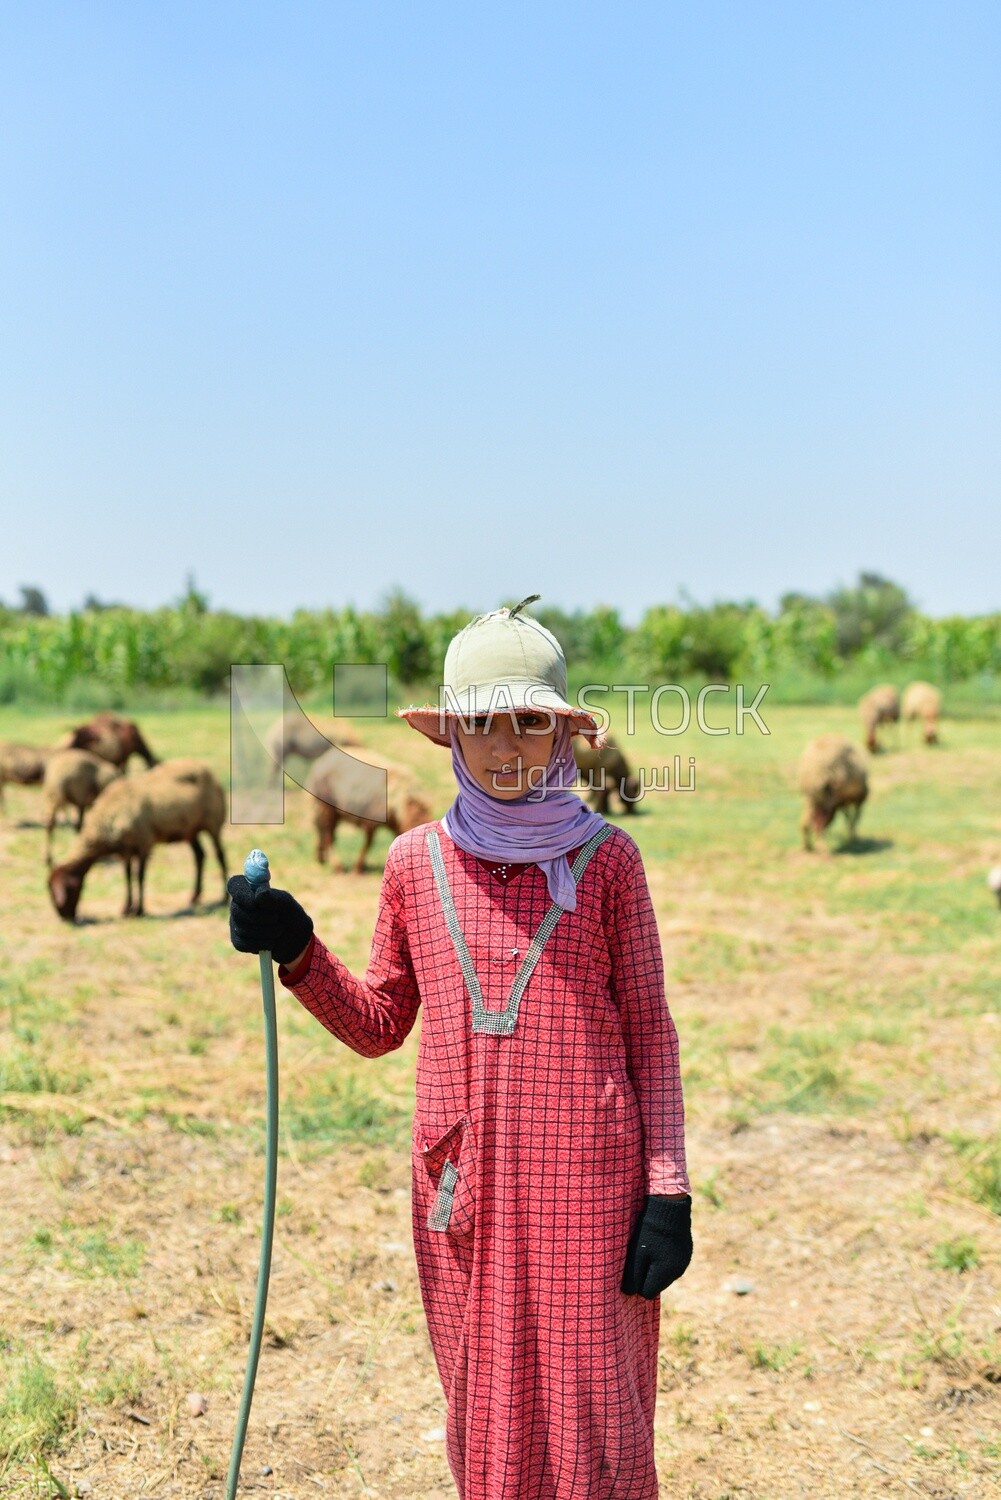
<point>660,1246</point>
<point>265,918</point>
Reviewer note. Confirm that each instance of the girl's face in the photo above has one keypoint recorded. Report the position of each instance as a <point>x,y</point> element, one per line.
<point>506,753</point>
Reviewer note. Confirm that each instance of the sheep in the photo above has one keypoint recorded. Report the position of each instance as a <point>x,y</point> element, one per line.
<point>73,778</point>
<point>994,881</point>
<point>342,789</point>
<point>171,803</point>
<point>22,765</point>
<point>294,734</point>
<point>832,775</point>
<point>606,770</point>
<point>924,702</point>
<point>112,738</point>
<point>880,705</point>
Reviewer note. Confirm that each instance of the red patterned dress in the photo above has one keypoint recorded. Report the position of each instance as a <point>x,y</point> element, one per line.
<point>548,1104</point>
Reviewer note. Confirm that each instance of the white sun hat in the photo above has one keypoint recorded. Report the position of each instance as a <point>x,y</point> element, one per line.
<point>500,663</point>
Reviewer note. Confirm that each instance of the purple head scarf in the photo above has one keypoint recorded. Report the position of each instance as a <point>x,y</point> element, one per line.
<point>538,828</point>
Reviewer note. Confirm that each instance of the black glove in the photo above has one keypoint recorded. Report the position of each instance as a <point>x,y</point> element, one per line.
<point>265,918</point>
<point>660,1246</point>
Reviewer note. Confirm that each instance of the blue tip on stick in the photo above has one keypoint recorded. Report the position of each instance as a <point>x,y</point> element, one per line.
<point>256,869</point>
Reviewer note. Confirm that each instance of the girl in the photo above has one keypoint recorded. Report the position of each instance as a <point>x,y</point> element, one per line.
<point>551,1205</point>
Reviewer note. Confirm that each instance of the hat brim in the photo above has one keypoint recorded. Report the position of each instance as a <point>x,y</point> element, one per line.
<point>432,720</point>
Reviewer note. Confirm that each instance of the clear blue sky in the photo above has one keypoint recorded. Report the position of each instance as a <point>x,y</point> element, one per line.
<point>318,299</point>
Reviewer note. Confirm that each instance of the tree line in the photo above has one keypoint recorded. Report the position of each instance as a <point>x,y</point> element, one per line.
<point>871,626</point>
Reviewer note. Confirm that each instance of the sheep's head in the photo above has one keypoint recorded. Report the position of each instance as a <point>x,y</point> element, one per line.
<point>65,885</point>
<point>132,743</point>
<point>823,807</point>
<point>79,739</point>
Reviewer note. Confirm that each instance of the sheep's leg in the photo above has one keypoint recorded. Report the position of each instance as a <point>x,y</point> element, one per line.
<point>79,819</point>
<point>366,846</point>
<point>127,862</point>
<point>141,908</point>
<point>326,829</point>
<point>48,837</point>
<point>199,853</point>
<point>806,828</point>
<point>852,815</point>
<point>220,855</point>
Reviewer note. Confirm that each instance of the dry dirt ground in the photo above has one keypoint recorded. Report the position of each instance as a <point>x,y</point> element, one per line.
<point>838,1332</point>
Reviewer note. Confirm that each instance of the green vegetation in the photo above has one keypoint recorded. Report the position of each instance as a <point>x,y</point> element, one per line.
<point>811,1085</point>
<point>956,1255</point>
<point>981,1174</point>
<point>809,650</point>
<point>710,1190</point>
<point>91,1251</point>
<point>335,1109</point>
<point>124,1384</point>
<point>37,1410</point>
<point>773,1356</point>
<point>28,1019</point>
<point>22,1071</point>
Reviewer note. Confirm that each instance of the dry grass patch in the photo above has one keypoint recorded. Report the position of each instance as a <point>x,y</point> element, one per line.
<point>837,1333</point>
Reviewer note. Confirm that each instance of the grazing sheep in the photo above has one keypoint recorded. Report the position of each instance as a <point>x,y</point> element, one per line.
<point>73,778</point>
<point>924,702</point>
<point>606,770</point>
<point>297,735</point>
<point>22,765</point>
<point>832,775</point>
<point>994,881</point>
<point>172,803</point>
<point>112,738</point>
<point>880,705</point>
<point>338,782</point>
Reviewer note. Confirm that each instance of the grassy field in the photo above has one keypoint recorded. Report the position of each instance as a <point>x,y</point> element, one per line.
<point>839,1331</point>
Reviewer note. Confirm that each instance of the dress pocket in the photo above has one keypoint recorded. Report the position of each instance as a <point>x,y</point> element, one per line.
<point>450,1162</point>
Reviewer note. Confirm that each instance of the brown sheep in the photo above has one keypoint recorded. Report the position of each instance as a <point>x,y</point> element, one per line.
<point>298,735</point>
<point>22,765</point>
<point>880,705</point>
<point>606,770</point>
<point>112,738</point>
<point>172,803</point>
<point>924,702</point>
<point>73,778</point>
<point>343,790</point>
<point>832,776</point>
